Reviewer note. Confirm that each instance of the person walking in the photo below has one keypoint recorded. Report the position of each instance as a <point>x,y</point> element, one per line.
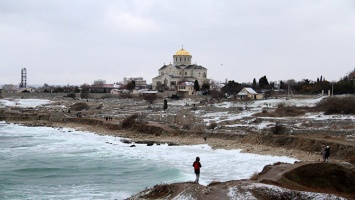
<point>165,106</point>
<point>197,165</point>
<point>327,153</point>
<point>323,152</point>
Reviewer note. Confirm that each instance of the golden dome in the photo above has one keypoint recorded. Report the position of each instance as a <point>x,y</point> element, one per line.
<point>182,52</point>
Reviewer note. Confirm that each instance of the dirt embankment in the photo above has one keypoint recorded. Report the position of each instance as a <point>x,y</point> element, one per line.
<point>340,150</point>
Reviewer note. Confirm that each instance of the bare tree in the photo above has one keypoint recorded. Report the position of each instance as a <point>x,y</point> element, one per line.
<point>150,98</point>
<point>84,94</point>
<point>247,102</point>
<point>131,85</point>
<point>242,102</point>
<point>215,94</point>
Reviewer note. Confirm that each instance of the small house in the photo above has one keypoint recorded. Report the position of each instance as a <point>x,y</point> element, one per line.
<point>186,88</point>
<point>249,93</point>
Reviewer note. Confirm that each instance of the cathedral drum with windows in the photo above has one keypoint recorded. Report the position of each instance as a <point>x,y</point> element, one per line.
<point>180,71</point>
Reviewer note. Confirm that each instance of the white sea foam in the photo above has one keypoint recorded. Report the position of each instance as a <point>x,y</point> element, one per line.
<point>132,168</point>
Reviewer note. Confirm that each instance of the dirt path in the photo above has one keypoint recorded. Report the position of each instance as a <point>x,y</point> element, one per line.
<point>335,139</point>
<point>163,126</point>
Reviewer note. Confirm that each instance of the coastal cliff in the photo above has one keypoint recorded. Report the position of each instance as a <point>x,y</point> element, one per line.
<point>278,181</point>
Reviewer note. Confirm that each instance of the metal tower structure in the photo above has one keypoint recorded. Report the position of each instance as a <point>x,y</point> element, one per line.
<point>23,83</point>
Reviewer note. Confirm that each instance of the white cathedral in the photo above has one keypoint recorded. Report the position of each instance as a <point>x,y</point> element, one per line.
<point>181,71</point>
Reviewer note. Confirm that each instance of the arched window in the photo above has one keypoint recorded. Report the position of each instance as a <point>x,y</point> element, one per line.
<point>185,73</point>
<point>204,74</point>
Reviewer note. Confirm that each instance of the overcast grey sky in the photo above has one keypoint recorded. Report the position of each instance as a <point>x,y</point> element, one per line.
<point>79,41</point>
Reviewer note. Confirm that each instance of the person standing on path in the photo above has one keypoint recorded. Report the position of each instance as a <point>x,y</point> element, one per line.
<point>197,165</point>
<point>165,106</point>
<point>327,153</point>
<point>323,153</point>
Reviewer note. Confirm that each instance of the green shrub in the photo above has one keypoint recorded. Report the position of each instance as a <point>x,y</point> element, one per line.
<point>79,106</point>
<point>278,129</point>
<point>335,105</point>
<point>213,125</point>
<point>289,111</point>
<point>130,121</point>
<point>107,96</point>
<point>281,105</point>
<point>126,96</point>
<point>352,159</point>
<point>71,95</point>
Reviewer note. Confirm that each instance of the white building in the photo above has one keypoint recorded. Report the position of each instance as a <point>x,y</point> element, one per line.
<point>182,70</point>
<point>99,82</point>
<point>10,88</point>
<point>139,81</point>
<point>186,88</point>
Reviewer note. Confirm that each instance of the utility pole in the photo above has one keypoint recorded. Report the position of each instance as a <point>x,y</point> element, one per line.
<point>332,89</point>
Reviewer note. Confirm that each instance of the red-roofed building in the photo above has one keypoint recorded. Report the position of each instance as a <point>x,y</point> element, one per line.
<point>103,88</point>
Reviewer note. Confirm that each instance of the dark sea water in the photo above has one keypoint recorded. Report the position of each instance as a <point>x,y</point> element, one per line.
<point>48,163</point>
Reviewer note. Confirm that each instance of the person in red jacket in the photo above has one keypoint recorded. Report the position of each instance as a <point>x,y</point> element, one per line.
<point>197,165</point>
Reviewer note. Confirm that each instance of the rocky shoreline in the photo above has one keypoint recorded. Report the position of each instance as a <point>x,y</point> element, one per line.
<point>185,139</point>
<point>182,126</point>
<point>176,129</point>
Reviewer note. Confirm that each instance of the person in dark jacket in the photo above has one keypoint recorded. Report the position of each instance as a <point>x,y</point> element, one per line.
<point>323,153</point>
<point>327,153</point>
<point>165,106</point>
<point>197,165</point>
